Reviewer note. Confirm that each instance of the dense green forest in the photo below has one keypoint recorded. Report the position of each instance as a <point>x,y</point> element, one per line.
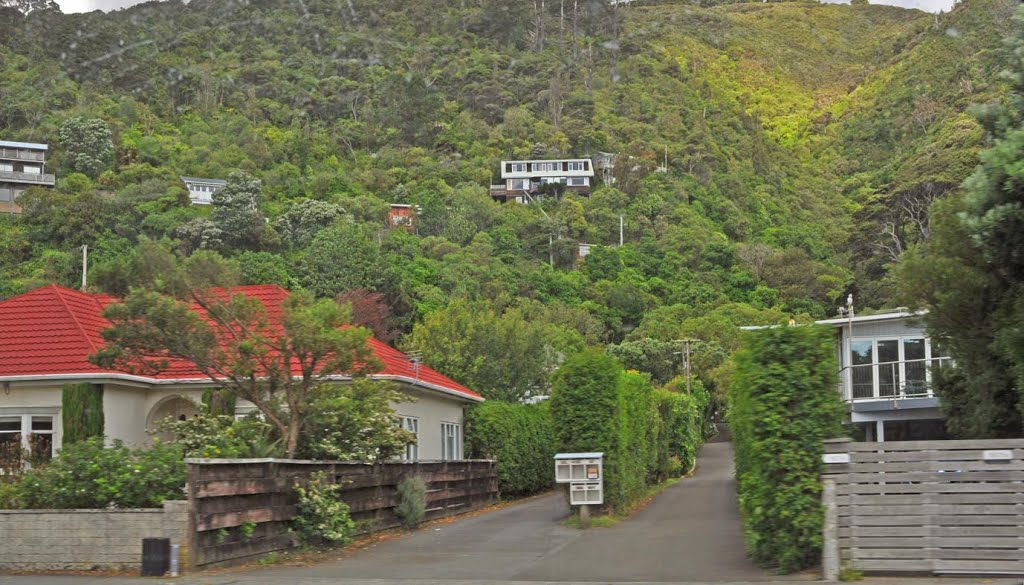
<point>771,158</point>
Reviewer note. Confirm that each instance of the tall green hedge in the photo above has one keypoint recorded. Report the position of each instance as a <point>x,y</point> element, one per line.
<point>597,406</point>
<point>784,403</point>
<point>82,411</point>
<point>521,437</point>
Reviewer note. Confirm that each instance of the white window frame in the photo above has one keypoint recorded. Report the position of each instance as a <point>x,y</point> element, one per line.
<point>901,360</point>
<point>451,430</point>
<point>518,167</point>
<point>25,422</point>
<point>578,181</point>
<point>576,165</point>
<point>519,184</point>
<point>7,167</point>
<point>411,424</point>
<point>32,170</point>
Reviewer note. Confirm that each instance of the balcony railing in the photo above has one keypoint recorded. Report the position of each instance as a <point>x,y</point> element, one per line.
<point>35,178</point>
<point>21,154</point>
<point>890,380</point>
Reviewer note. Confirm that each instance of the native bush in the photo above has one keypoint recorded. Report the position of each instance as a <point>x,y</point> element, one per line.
<point>680,433</point>
<point>784,403</point>
<point>413,505</point>
<point>520,437</point>
<point>87,474</point>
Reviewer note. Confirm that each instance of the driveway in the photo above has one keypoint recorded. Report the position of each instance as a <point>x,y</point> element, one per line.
<point>689,533</point>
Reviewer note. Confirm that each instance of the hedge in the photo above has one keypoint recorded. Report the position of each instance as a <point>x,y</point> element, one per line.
<point>520,437</point>
<point>783,405</point>
<point>644,433</point>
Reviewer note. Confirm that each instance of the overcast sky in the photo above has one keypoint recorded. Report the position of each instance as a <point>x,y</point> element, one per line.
<point>90,5</point>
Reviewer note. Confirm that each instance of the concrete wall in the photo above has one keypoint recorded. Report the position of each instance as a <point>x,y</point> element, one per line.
<point>432,409</point>
<point>86,539</point>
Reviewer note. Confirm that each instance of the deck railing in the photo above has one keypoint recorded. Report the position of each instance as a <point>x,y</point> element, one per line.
<point>37,178</point>
<point>890,380</point>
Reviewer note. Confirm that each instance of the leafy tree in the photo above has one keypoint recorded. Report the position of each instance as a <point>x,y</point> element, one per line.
<point>341,258</point>
<point>303,220</point>
<point>370,310</point>
<point>232,342</point>
<point>970,274</point>
<point>502,355</point>
<point>88,146</point>
<point>237,211</point>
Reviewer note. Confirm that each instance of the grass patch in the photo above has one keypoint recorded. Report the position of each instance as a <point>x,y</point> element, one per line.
<point>848,573</point>
<point>609,520</point>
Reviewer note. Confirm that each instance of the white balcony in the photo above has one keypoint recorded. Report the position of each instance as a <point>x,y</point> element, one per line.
<point>31,178</point>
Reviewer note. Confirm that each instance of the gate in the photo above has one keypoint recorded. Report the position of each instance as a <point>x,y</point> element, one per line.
<point>942,507</point>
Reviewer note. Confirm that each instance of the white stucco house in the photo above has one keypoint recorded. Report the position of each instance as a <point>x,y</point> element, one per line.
<point>47,334</point>
<point>885,377</point>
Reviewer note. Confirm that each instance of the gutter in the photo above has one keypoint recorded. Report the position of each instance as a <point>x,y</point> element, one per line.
<point>100,377</point>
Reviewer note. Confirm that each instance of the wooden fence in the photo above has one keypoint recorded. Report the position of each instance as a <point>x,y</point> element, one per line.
<point>239,509</point>
<point>942,507</point>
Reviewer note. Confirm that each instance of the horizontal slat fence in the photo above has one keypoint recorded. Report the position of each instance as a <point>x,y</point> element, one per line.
<point>240,508</point>
<point>926,507</point>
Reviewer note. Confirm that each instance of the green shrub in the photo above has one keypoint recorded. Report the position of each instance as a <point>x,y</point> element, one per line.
<point>82,411</point>
<point>680,435</point>
<point>784,403</point>
<point>520,437</point>
<point>322,517</point>
<point>88,475</point>
<point>222,436</point>
<point>635,458</point>
<point>413,505</point>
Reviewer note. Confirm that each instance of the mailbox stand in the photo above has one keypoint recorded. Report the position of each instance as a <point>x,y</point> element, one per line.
<point>584,472</point>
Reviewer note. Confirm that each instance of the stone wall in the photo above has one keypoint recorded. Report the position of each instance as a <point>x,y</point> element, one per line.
<point>87,539</point>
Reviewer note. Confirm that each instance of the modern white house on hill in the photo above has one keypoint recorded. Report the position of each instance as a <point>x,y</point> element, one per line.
<point>523,180</point>
<point>22,165</point>
<point>200,190</point>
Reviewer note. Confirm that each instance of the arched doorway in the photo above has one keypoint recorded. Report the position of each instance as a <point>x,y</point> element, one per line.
<point>175,407</point>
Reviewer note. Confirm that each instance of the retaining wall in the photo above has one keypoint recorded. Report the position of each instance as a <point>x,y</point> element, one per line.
<point>32,540</point>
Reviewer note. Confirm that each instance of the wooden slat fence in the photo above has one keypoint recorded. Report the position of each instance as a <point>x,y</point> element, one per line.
<point>228,498</point>
<point>925,507</point>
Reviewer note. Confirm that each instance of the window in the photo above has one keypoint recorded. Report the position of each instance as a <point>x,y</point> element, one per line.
<point>7,167</point>
<point>31,170</point>
<point>891,367</point>
<point>411,424</point>
<point>519,183</point>
<point>518,167</point>
<point>576,166</point>
<point>451,441</point>
<point>578,181</point>
<point>31,433</point>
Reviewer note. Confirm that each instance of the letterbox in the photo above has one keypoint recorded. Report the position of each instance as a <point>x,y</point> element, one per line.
<point>586,493</point>
<point>577,467</point>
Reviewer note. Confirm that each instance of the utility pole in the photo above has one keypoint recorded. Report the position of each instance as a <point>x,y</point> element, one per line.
<point>621,220</point>
<point>85,266</point>
<point>687,368</point>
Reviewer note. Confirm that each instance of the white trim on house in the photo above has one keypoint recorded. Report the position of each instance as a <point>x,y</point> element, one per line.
<point>100,378</point>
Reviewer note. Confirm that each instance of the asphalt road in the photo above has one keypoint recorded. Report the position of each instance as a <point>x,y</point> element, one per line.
<point>689,533</point>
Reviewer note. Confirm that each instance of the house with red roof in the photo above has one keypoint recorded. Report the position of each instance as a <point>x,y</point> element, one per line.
<point>47,335</point>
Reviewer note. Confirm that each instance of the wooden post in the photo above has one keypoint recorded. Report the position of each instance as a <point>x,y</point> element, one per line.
<point>830,547</point>
<point>585,516</point>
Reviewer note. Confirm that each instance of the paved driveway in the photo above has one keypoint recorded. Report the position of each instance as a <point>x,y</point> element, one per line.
<point>689,533</point>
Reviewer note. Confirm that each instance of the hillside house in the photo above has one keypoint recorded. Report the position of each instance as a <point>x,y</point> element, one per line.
<point>200,191</point>
<point>22,165</point>
<point>885,376</point>
<point>526,180</point>
<point>47,334</point>
<point>401,215</point>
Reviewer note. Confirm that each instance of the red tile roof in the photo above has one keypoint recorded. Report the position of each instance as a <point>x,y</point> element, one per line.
<point>51,331</point>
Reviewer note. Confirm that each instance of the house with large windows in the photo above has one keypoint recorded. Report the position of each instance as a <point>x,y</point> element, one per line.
<point>526,180</point>
<point>22,165</point>
<point>200,190</point>
<point>887,362</point>
<point>47,335</point>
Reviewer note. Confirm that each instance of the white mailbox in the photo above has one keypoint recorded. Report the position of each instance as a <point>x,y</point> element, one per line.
<point>586,493</point>
<point>579,467</point>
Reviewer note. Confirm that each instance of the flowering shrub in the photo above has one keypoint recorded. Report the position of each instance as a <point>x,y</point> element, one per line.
<point>88,475</point>
<point>322,517</point>
<point>221,436</point>
<point>354,422</point>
